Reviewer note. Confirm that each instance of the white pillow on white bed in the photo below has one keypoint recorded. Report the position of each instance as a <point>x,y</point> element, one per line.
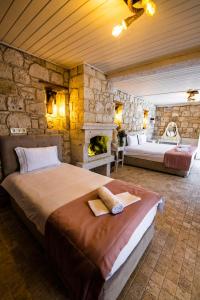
<point>142,138</point>
<point>31,159</point>
<point>132,140</point>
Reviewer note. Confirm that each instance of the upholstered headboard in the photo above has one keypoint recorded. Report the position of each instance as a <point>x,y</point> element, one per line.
<point>9,161</point>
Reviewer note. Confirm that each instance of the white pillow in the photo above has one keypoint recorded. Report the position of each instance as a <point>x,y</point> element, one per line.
<point>31,159</point>
<point>142,139</point>
<point>132,140</point>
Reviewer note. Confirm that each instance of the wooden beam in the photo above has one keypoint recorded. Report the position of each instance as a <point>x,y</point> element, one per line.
<point>163,64</point>
<point>50,85</point>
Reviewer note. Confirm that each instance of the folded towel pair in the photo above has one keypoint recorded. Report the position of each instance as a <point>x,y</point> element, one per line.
<point>110,203</point>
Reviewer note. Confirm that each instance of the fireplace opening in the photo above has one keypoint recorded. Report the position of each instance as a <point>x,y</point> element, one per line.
<point>98,145</point>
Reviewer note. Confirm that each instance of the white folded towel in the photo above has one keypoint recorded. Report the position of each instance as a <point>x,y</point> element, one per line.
<point>111,201</point>
<point>99,208</point>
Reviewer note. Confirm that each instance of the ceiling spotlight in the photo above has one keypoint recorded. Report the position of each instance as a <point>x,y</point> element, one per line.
<point>137,8</point>
<point>192,95</point>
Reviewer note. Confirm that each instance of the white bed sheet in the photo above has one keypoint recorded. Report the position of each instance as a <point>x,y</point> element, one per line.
<point>149,151</point>
<point>40,193</point>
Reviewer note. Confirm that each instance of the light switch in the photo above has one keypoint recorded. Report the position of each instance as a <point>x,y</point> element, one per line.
<point>18,130</point>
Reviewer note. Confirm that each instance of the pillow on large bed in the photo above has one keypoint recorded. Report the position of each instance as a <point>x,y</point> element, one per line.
<point>31,159</point>
<point>142,138</point>
<point>132,140</point>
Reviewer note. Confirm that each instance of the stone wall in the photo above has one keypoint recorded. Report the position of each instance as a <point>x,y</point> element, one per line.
<point>133,112</point>
<point>91,97</point>
<point>92,100</point>
<point>187,118</point>
<point>22,96</point>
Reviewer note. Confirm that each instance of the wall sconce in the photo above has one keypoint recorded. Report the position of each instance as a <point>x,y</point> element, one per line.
<point>118,114</point>
<point>145,119</point>
<point>55,103</point>
<point>51,102</point>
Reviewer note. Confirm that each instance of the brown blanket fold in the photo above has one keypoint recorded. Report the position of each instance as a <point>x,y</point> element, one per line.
<point>83,248</point>
<point>179,160</point>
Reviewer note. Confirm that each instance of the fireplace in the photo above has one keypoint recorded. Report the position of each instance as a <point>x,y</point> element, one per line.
<point>91,146</point>
<point>97,145</point>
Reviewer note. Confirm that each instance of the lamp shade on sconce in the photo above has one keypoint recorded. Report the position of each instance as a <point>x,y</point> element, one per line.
<point>51,101</point>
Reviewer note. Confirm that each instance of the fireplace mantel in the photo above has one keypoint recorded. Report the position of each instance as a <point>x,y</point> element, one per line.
<point>94,126</point>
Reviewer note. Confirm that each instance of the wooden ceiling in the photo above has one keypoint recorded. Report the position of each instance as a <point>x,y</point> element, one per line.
<point>72,32</point>
<point>163,87</point>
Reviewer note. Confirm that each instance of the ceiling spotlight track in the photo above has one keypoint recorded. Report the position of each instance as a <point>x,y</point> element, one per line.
<point>137,7</point>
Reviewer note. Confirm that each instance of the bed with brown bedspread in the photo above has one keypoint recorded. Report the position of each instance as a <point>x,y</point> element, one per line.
<point>84,255</point>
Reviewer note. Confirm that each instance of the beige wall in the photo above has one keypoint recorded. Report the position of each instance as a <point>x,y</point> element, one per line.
<point>187,118</point>
<point>22,96</point>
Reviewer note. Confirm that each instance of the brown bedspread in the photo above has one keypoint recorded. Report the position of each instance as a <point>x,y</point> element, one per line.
<point>179,160</point>
<point>83,247</point>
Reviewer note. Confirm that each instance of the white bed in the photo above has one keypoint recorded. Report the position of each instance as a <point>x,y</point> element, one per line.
<point>40,193</point>
<point>149,151</point>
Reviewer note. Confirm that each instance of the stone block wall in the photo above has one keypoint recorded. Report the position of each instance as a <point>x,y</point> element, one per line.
<point>22,96</point>
<point>91,101</point>
<point>187,118</point>
<point>91,96</point>
<point>133,112</point>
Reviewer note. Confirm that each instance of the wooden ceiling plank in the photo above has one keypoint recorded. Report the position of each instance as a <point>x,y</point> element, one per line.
<point>108,40</point>
<point>128,57</point>
<point>73,36</point>
<point>56,22</point>
<point>110,51</point>
<point>34,9</point>
<point>159,65</point>
<point>4,8</point>
<point>53,7</point>
<point>12,15</point>
<point>168,49</point>
<point>74,21</point>
<point>178,27</point>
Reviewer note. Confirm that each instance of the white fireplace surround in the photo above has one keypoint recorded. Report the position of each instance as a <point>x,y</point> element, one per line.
<point>97,129</point>
<point>90,130</point>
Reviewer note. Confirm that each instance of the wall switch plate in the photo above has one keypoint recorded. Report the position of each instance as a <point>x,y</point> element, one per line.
<point>18,130</point>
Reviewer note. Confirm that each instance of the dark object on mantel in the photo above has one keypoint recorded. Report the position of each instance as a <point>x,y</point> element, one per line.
<point>4,197</point>
<point>55,86</point>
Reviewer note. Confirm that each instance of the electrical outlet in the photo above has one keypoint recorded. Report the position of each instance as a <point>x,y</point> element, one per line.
<point>18,131</point>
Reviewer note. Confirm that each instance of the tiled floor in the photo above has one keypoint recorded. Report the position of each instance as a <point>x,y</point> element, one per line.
<point>170,268</point>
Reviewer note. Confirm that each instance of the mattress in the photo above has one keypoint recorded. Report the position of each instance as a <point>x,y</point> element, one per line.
<point>149,151</point>
<point>40,193</point>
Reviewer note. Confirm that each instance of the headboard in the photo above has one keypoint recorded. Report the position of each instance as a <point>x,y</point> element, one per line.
<point>8,157</point>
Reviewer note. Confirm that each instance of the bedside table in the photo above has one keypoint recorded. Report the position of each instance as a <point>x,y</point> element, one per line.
<point>118,152</point>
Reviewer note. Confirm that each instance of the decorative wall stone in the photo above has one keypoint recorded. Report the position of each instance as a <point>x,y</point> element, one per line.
<point>7,87</point>
<point>36,108</point>
<point>15,103</point>
<point>56,78</point>
<point>39,72</point>
<point>21,76</point>
<point>5,71</point>
<point>22,96</point>
<point>133,112</point>
<point>3,117</point>
<point>18,120</point>
<point>187,118</point>
<point>13,57</point>
<point>3,102</point>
